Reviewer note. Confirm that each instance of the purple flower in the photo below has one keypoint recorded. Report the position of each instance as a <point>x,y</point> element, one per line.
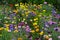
<point>32,14</point>
<point>51,22</point>
<point>27,28</point>
<point>46,24</point>
<point>11,26</point>
<point>56,28</point>
<point>30,37</point>
<point>21,24</point>
<point>58,16</point>
<point>53,11</point>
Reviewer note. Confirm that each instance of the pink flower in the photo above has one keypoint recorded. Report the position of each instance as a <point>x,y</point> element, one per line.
<point>51,22</point>
<point>59,37</point>
<point>45,2</point>
<point>27,28</point>
<point>19,26</point>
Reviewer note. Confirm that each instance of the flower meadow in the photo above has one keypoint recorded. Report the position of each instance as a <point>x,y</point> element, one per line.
<point>29,22</point>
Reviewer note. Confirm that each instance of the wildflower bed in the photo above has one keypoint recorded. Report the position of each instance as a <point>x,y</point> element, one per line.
<point>29,22</point>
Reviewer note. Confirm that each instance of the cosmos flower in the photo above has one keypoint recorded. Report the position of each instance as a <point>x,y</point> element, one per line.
<point>27,28</point>
<point>56,28</point>
<point>51,22</point>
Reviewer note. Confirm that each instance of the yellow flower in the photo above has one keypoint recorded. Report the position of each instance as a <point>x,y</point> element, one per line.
<point>40,6</point>
<point>7,28</point>
<point>39,15</point>
<point>44,10</point>
<point>22,6</point>
<point>49,5</point>
<point>16,11</point>
<point>26,13</point>
<point>41,33</point>
<point>34,4</point>
<point>8,17</point>
<point>32,31</point>
<point>19,38</point>
<point>7,25</point>
<point>16,4</point>
<point>31,20</point>
<point>21,3</point>
<point>19,19</point>
<point>34,23</point>
<point>22,14</point>
<point>36,26</point>
<point>16,31</point>
<point>1,28</point>
<point>14,17</point>
<point>24,19</point>
<point>37,29</point>
<point>15,27</point>
<point>46,37</point>
<point>6,21</point>
<point>13,21</point>
<point>35,19</point>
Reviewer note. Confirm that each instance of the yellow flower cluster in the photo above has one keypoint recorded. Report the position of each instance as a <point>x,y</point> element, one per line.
<point>19,38</point>
<point>41,33</point>
<point>1,28</point>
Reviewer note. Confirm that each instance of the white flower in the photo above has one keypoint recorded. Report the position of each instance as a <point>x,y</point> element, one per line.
<point>9,30</point>
<point>50,38</point>
<point>19,26</point>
